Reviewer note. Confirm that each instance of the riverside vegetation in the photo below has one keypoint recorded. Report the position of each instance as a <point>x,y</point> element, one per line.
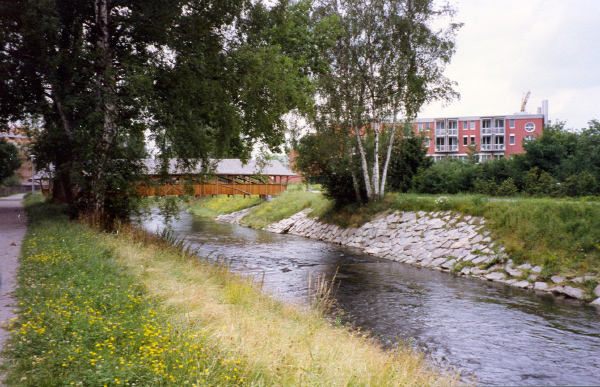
<point>128,308</point>
<point>563,237</point>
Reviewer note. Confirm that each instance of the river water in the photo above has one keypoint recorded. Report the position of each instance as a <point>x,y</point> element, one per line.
<point>492,332</point>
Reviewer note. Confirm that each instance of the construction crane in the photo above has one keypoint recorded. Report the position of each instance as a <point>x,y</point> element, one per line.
<point>524,101</point>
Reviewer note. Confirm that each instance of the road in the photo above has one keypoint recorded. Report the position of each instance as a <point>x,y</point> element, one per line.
<point>13,226</point>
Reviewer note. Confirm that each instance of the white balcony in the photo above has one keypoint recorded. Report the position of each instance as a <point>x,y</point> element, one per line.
<point>498,147</point>
<point>486,147</point>
<point>440,132</point>
<point>486,131</point>
<point>498,130</point>
<point>452,148</point>
<point>441,148</point>
<point>452,132</point>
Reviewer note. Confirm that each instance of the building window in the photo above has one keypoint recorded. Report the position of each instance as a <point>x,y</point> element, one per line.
<point>499,122</point>
<point>427,142</point>
<point>472,140</point>
<point>452,124</point>
<point>465,140</point>
<point>472,125</point>
<point>465,125</point>
<point>529,138</point>
<point>427,126</point>
<point>511,123</point>
<point>486,123</point>
<point>420,126</point>
<point>530,126</point>
<point>440,125</point>
<point>512,139</point>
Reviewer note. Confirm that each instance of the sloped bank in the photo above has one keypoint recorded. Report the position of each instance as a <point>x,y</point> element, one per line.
<point>441,240</point>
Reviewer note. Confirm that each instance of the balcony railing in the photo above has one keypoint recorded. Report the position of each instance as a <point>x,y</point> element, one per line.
<point>499,147</point>
<point>452,132</point>
<point>498,130</point>
<point>486,131</point>
<point>452,148</point>
<point>440,132</point>
<point>440,148</point>
<point>486,147</point>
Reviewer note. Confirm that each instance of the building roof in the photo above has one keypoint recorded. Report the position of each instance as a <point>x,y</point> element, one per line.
<point>224,167</point>
<point>515,116</point>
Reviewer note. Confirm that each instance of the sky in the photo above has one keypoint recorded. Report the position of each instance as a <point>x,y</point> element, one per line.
<point>507,47</point>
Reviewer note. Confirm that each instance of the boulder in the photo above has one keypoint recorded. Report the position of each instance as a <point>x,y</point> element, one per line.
<point>574,292</point>
<point>521,284</point>
<point>596,302</point>
<point>540,286</point>
<point>524,266</point>
<point>536,269</point>
<point>597,291</point>
<point>557,279</point>
<point>495,276</point>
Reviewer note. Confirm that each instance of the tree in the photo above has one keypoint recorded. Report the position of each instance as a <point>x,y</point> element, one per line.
<point>205,77</point>
<point>408,156</point>
<point>9,159</point>
<point>386,62</point>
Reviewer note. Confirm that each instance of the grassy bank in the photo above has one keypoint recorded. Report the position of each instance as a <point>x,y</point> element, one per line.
<point>100,309</point>
<point>562,236</point>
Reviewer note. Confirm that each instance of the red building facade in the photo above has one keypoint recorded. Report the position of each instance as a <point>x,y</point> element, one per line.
<point>490,136</point>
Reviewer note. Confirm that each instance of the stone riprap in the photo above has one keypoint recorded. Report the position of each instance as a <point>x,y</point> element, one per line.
<point>443,241</point>
<point>233,217</point>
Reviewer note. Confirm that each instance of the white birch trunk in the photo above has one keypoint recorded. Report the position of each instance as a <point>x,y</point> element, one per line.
<point>388,156</point>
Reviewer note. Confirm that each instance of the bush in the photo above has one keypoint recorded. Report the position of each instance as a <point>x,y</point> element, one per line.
<point>508,188</point>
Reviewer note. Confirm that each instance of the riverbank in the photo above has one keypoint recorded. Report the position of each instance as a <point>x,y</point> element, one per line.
<point>100,309</point>
<point>535,244</point>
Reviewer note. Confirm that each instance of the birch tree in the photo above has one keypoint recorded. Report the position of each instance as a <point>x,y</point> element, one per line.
<point>386,64</point>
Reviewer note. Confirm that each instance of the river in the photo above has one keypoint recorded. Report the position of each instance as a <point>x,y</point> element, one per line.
<point>496,333</point>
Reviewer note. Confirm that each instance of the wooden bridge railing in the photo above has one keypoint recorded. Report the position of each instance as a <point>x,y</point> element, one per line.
<point>210,189</point>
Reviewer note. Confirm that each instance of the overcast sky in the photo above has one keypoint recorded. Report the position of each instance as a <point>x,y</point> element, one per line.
<point>506,47</point>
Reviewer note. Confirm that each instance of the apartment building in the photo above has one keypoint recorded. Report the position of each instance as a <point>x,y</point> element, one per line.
<point>491,137</point>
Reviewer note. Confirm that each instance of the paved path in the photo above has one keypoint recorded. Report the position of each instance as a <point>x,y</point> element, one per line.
<point>13,226</point>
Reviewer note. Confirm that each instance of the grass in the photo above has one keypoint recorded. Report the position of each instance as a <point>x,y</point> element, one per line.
<point>213,206</point>
<point>103,309</point>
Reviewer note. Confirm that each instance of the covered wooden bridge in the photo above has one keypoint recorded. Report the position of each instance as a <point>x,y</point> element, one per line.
<point>229,177</point>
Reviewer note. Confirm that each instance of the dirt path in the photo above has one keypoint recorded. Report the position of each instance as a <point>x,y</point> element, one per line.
<point>13,226</point>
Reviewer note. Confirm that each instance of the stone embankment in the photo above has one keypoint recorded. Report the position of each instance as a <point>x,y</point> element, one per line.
<point>442,240</point>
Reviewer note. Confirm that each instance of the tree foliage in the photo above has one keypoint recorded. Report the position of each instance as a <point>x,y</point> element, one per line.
<point>206,78</point>
<point>9,159</point>
<point>387,62</point>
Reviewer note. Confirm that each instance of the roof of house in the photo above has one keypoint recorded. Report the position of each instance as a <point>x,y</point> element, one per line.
<point>224,167</point>
<point>220,167</point>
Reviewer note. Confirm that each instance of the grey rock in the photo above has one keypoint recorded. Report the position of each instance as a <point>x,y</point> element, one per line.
<point>514,272</point>
<point>495,276</point>
<point>536,269</point>
<point>479,260</point>
<point>555,289</point>
<point>524,266</point>
<point>532,277</point>
<point>510,281</point>
<point>540,286</point>
<point>557,279</point>
<point>577,280</point>
<point>574,292</point>
<point>438,262</point>
<point>521,284</point>
<point>449,264</point>
<point>597,291</point>
<point>596,302</point>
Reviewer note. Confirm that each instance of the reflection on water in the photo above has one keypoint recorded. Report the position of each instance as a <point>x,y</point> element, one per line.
<point>502,335</point>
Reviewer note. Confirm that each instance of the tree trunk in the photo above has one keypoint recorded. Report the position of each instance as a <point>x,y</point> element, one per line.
<point>107,98</point>
<point>388,155</point>
<point>363,163</point>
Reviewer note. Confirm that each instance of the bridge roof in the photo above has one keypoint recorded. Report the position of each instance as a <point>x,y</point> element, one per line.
<point>223,167</point>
